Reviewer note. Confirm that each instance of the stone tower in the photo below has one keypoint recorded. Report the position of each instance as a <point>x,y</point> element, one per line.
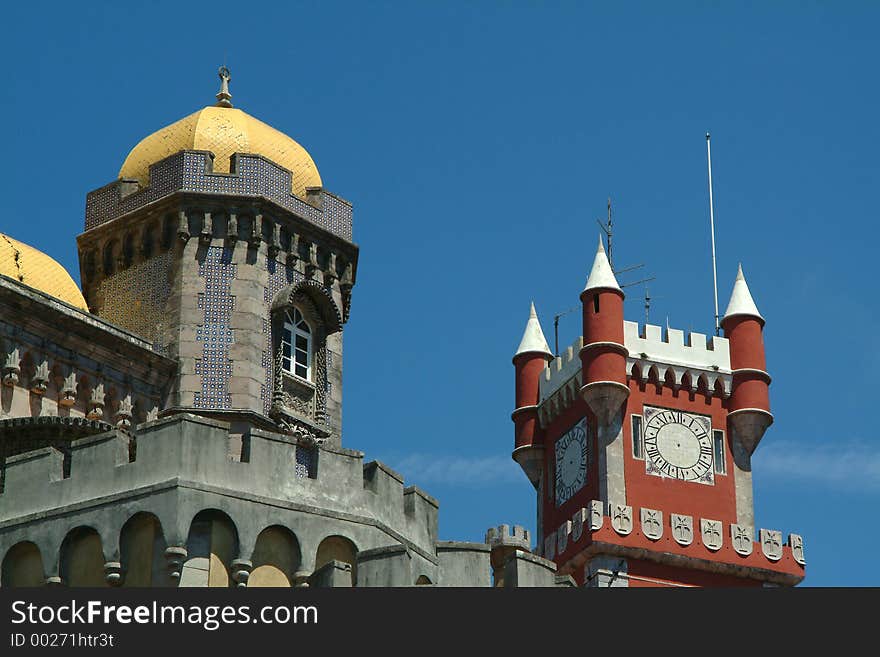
<point>639,445</point>
<point>219,245</point>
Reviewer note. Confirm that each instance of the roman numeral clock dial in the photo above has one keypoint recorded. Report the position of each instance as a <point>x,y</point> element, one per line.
<point>678,445</point>
<point>571,462</point>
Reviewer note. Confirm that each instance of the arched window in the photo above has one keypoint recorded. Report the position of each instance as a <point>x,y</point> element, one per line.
<point>296,345</point>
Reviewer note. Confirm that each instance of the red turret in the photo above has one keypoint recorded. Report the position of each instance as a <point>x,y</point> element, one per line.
<point>603,355</point>
<point>749,414</point>
<point>530,359</point>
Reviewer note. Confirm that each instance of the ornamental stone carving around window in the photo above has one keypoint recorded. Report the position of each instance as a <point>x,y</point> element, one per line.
<point>299,391</point>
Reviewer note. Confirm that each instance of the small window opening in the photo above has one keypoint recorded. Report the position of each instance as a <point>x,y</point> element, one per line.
<point>720,462</point>
<point>638,445</point>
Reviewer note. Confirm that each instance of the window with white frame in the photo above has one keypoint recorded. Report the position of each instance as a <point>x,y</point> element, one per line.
<point>296,345</point>
<point>720,462</point>
<point>637,444</point>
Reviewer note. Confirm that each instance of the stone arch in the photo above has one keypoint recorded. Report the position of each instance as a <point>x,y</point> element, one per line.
<point>703,385</point>
<point>328,312</point>
<point>81,558</point>
<point>142,548</point>
<point>23,566</point>
<point>337,548</point>
<point>687,382</point>
<point>211,546</point>
<point>276,558</point>
<point>636,372</point>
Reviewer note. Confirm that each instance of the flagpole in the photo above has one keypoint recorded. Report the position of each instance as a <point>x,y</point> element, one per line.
<point>712,225</point>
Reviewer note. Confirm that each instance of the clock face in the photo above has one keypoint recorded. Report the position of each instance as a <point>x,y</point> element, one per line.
<point>571,462</point>
<point>678,445</point>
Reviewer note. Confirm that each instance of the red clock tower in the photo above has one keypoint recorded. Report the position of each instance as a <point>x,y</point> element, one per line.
<point>639,444</point>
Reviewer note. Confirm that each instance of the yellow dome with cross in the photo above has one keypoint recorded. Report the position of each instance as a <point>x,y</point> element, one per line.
<point>223,130</point>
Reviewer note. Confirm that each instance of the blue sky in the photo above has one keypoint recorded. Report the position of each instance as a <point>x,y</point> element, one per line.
<point>478,143</point>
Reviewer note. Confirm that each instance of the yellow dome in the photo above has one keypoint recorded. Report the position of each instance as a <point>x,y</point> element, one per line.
<point>37,270</point>
<point>223,131</point>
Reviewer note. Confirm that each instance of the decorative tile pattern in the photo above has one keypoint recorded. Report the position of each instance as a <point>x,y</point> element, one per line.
<point>189,171</point>
<point>217,304</point>
<point>305,462</point>
<point>135,298</point>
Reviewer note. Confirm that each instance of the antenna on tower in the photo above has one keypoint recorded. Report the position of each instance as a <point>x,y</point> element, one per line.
<point>712,226</point>
<point>556,328</point>
<point>609,231</point>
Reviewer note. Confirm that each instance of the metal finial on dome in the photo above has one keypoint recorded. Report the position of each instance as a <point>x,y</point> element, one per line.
<point>224,98</point>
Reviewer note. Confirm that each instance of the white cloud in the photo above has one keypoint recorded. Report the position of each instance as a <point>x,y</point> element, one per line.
<point>472,471</point>
<point>844,465</point>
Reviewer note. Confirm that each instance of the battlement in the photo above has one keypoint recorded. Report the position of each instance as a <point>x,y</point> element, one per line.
<point>678,540</point>
<point>690,350</point>
<point>561,369</point>
<point>199,452</point>
<point>193,172</point>
<point>689,359</point>
<point>505,535</point>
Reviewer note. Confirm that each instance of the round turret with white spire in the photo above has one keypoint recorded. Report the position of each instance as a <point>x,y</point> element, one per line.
<point>601,275</point>
<point>533,340</point>
<point>741,302</point>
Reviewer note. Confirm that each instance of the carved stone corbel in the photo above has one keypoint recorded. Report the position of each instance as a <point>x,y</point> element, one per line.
<point>96,403</point>
<point>275,244</point>
<point>182,226</point>
<point>68,390</point>
<point>293,253</point>
<point>40,380</point>
<point>124,414</point>
<point>232,228</point>
<point>12,368</point>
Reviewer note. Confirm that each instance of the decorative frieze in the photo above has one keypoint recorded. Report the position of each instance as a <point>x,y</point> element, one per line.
<point>796,542</point>
<point>771,544</point>
<point>578,520</point>
<point>590,519</point>
<point>622,518</point>
<point>742,538</point>
<point>682,529</point>
<point>652,523</point>
<point>710,531</point>
<point>562,536</point>
<point>550,546</point>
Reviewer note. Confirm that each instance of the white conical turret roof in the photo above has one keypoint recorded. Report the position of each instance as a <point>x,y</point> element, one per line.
<point>741,302</point>
<point>533,340</point>
<point>601,275</point>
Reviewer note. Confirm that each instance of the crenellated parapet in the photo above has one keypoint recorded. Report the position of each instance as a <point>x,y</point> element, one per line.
<point>689,360</point>
<point>561,382</point>
<point>205,457</point>
<point>192,172</point>
<point>676,540</point>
